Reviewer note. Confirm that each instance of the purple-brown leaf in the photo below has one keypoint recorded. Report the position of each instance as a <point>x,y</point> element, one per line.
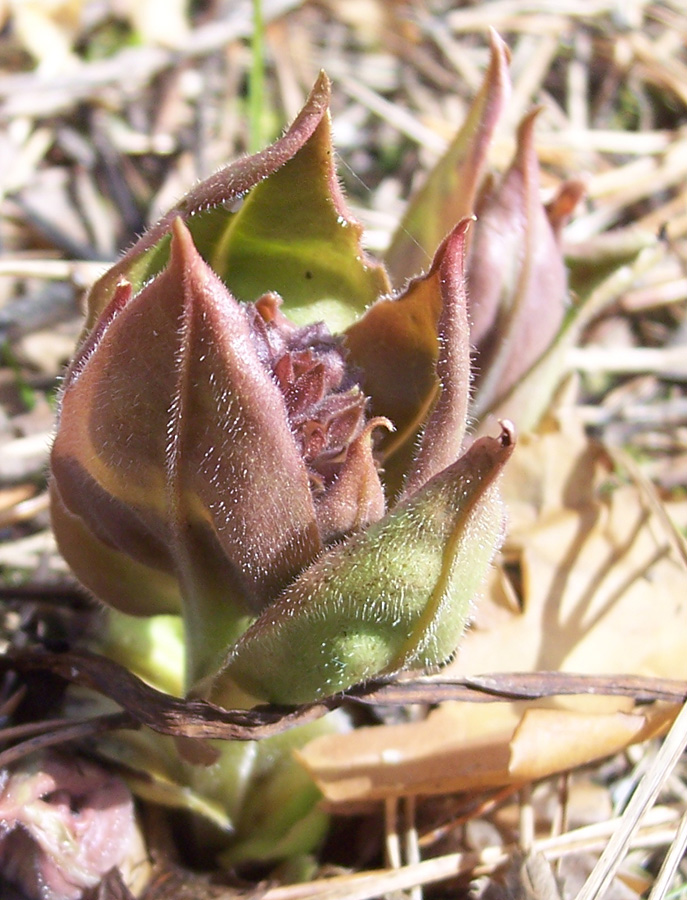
<point>517,282</point>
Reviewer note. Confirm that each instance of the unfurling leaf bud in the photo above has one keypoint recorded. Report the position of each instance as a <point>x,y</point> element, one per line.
<point>259,437</point>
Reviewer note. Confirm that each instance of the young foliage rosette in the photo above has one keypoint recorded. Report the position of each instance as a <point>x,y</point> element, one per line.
<point>216,456</point>
<point>262,436</point>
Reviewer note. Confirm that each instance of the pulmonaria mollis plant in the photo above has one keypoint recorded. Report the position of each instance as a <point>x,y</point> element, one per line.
<point>216,457</point>
<point>263,434</point>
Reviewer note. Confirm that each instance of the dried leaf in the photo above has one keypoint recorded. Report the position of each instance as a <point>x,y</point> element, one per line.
<point>465,748</point>
<point>601,590</point>
<point>165,714</point>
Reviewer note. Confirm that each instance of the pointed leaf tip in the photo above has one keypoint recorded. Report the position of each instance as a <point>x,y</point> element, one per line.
<point>209,207</point>
<point>449,192</point>
<point>181,237</point>
<point>231,456</point>
<point>500,51</point>
<point>508,433</point>
<point>357,497</point>
<point>517,282</point>
<point>392,597</point>
<point>444,431</point>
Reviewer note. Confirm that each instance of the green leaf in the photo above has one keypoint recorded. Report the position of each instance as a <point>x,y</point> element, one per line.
<point>132,586</point>
<point>275,221</point>
<point>449,192</point>
<point>408,347</point>
<point>293,235</point>
<point>393,597</point>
